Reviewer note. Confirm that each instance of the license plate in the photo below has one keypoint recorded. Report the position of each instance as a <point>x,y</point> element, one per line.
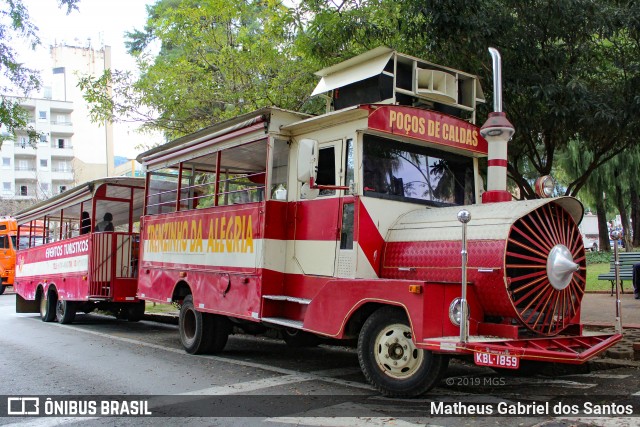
<point>499,360</point>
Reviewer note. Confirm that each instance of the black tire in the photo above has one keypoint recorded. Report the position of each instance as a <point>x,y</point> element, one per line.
<point>389,359</point>
<point>221,328</point>
<point>195,328</point>
<point>135,312</point>
<point>299,339</point>
<point>2,289</point>
<point>48,306</point>
<point>65,311</point>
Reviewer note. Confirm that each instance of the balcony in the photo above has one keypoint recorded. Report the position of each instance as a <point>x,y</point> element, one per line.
<point>28,196</point>
<point>24,149</point>
<point>27,173</point>
<point>62,128</point>
<point>66,151</point>
<point>61,174</point>
<point>61,106</point>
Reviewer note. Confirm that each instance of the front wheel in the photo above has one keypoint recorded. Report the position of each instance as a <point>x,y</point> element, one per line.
<point>2,289</point>
<point>48,306</point>
<point>65,312</point>
<point>390,360</point>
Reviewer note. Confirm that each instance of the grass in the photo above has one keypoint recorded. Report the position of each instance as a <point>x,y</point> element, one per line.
<point>593,284</point>
<point>152,307</point>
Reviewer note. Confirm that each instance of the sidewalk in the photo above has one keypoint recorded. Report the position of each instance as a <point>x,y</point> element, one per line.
<point>599,312</point>
<point>599,309</point>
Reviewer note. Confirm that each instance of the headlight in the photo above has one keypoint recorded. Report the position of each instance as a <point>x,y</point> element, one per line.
<point>455,311</point>
<point>544,186</point>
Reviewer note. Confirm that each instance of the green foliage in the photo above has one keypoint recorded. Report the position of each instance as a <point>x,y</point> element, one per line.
<point>598,257</point>
<point>14,23</point>
<point>217,59</point>
<point>570,66</point>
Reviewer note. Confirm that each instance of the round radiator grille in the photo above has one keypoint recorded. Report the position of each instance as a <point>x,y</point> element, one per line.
<point>545,265</point>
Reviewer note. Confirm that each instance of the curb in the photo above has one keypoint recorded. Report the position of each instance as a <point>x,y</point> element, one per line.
<point>168,319</point>
<point>608,363</point>
<point>610,325</point>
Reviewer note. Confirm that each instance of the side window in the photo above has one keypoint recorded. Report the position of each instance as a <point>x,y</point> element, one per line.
<point>4,242</point>
<point>346,231</point>
<point>198,189</point>
<point>327,169</point>
<point>242,174</point>
<point>162,191</point>
<point>349,166</point>
<point>279,170</point>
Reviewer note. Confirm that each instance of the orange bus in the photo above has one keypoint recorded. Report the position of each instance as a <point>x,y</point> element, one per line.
<point>8,229</point>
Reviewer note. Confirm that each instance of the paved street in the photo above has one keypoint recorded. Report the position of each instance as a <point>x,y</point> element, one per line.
<point>261,378</point>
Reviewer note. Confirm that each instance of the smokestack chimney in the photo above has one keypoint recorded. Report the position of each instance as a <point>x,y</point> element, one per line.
<point>497,131</point>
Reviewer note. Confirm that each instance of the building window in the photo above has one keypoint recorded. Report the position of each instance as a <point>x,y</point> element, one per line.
<point>45,186</point>
<point>42,115</point>
<point>43,138</point>
<point>44,163</point>
<point>6,161</point>
<point>60,143</point>
<point>23,190</point>
<point>6,186</point>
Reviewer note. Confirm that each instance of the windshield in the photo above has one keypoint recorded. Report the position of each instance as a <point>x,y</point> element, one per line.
<point>406,172</point>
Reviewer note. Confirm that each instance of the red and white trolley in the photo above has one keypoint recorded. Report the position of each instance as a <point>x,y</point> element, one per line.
<point>71,266</point>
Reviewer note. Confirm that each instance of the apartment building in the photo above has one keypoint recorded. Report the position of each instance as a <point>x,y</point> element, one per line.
<point>71,149</point>
<point>40,170</point>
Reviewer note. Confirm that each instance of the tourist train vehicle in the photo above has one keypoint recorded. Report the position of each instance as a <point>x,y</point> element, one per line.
<point>368,223</point>
<point>69,265</point>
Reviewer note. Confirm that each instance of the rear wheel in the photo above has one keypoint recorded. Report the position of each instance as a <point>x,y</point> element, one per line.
<point>48,306</point>
<point>65,311</point>
<point>2,289</point>
<point>195,328</point>
<point>135,312</point>
<point>390,360</point>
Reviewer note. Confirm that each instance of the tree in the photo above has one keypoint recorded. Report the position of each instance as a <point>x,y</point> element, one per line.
<point>217,59</point>
<point>570,66</point>
<point>14,22</point>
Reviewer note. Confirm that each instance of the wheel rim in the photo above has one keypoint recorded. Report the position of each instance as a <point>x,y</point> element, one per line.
<point>43,306</point>
<point>60,308</point>
<point>395,353</point>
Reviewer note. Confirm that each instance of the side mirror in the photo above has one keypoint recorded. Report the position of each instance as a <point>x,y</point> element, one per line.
<point>307,160</point>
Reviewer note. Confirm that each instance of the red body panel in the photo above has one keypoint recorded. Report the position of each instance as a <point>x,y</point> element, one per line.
<point>226,232</point>
<point>80,268</point>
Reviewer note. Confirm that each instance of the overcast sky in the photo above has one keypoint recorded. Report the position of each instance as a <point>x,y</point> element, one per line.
<point>102,21</point>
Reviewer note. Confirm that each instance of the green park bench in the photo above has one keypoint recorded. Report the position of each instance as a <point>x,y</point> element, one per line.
<point>627,259</point>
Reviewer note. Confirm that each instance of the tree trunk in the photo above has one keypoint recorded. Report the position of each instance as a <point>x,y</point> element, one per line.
<point>603,229</point>
<point>635,216</point>
<point>624,218</point>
